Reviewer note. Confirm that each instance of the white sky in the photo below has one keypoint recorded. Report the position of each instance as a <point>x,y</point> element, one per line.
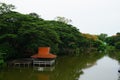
<point>89,16</point>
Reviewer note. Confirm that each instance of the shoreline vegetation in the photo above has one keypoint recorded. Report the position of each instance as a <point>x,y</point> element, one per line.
<point>22,34</point>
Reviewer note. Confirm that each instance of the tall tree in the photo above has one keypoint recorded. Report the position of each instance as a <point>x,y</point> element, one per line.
<point>4,8</point>
<point>35,15</point>
<point>102,36</point>
<point>63,19</point>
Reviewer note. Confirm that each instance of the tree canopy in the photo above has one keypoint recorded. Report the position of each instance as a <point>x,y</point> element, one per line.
<point>5,8</point>
<point>22,34</point>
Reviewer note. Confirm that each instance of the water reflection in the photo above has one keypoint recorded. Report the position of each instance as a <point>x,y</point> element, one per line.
<point>106,69</point>
<point>66,68</point>
<point>70,68</point>
<point>43,77</point>
<point>115,55</point>
<point>118,76</point>
<point>50,68</point>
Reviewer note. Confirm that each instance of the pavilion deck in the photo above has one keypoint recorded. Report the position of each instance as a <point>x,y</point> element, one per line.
<point>31,62</point>
<point>43,63</point>
<point>21,62</point>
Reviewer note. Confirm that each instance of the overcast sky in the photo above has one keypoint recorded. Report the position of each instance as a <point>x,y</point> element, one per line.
<point>89,16</point>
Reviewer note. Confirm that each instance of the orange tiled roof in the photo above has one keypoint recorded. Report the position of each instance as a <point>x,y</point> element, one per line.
<point>43,52</point>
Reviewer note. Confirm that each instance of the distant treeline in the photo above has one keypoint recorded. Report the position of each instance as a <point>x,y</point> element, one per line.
<point>22,34</point>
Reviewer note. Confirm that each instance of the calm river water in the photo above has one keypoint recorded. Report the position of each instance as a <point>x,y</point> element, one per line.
<point>104,69</point>
<point>91,67</point>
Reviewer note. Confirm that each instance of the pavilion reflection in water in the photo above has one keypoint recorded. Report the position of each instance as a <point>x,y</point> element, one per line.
<point>43,77</point>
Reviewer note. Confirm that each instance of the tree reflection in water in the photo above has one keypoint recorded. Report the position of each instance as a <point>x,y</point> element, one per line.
<point>70,68</point>
<point>66,68</point>
<point>116,55</point>
<point>118,76</point>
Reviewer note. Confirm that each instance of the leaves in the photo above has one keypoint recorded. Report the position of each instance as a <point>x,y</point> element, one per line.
<point>63,19</point>
<point>4,8</point>
<point>22,34</point>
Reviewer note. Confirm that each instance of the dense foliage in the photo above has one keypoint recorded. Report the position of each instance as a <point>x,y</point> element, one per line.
<point>22,34</point>
<point>114,41</point>
<point>1,59</point>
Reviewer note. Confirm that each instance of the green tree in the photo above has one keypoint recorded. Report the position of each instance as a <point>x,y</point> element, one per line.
<point>22,34</point>
<point>117,45</point>
<point>4,8</point>
<point>102,36</point>
<point>63,19</point>
<point>118,34</point>
<point>112,40</point>
<point>1,59</point>
<point>35,15</point>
